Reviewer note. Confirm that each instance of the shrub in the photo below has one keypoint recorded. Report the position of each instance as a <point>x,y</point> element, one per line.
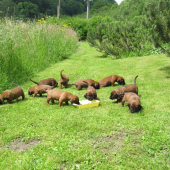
<point>158,20</point>
<point>119,37</point>
<point>79,25</point>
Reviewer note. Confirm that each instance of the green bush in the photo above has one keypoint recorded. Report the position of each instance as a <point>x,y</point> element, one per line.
<point>78,24</point>
<point>27,48</point>
<point>120,38</point>
<point>158,20</point>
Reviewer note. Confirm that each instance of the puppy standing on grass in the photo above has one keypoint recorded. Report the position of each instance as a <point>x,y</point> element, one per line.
<point>49,81</point>
<point>129,88</point>
<point>64,80</point>
<point>12,94</point>
<point>40,89</point>
<point>110,80</point>
<point>81,83</point>
<point>90,93</point>
<point>133,101</point>
<point>61,96</point>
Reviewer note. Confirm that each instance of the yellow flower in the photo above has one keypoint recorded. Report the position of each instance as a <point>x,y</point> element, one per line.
<point>64,25</point>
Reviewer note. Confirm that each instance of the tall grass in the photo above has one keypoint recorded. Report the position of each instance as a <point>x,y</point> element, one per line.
<point>27,48</point>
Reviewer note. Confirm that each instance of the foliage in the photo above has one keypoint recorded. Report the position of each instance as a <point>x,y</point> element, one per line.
<point>38,8</point>
<point>8,8</point>
<point>80,25</point>
<point>116,38</point>
<point>28,9</point>
<point>27,48</point>
<point>158,19</point>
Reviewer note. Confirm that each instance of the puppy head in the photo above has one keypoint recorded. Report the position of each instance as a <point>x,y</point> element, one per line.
<point>1,99</point>
<point>54,83</point>
<point>89,96</point>
<point>121,80</point>
<point>134,107</point>
<point>75,99</point>
<point>96,85</point>
<point>30,91</point>
<point>113,95</point>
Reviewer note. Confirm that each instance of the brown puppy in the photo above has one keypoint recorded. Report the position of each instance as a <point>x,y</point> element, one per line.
<point>61,96</point>
<point>133,101</point>
<point>90,93</point>
<point>1,99</point>
<point>129,88</point>
<point>49,81</point>
<point>110,80</point>
<point>12,94</point>
<point>81,83</point>
<point>64,80</point>
<point>39,89</point>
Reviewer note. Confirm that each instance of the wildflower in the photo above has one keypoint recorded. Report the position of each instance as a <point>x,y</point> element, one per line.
<point>64,25</point>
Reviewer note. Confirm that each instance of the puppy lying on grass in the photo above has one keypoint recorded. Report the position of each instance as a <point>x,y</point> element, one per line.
<point>81,83</point>
<point>49,81</point>
<point>61,96</point>
<point>110,81</point>
<point>12,94</point>
<point>133,101</point>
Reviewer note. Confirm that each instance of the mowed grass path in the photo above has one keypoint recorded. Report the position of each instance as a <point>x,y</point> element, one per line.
<point>104,137</point>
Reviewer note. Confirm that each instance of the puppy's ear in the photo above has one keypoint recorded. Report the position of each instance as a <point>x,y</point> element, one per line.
<point>85,95</point>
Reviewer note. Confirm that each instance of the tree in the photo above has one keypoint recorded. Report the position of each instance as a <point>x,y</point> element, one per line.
<point>58,8</point>
<point>8,8</point>
<point>158,21</point>
<point>28,9</point>
<point>88,9</point>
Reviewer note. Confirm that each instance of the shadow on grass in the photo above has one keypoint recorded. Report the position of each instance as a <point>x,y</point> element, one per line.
<point>167,70</point>
<point>15,101</point>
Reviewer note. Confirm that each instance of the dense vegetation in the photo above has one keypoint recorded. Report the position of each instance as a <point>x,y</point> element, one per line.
<point>125,30</point>
<point>118,31</point>
<point>27,48</point>
<point>39,8</point>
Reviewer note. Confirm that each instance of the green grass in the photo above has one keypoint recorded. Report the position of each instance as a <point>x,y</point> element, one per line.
<point>104,137</point>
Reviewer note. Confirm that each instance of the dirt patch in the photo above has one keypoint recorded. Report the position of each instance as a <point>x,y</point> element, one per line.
<point>112,143</point>
<point>18,145</point>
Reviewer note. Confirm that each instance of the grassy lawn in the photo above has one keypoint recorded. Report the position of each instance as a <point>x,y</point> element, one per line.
<point>104,137</point>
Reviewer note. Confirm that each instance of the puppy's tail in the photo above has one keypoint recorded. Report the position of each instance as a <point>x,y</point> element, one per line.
<point>86,83</point>
<point>135,79</point>
<point>61,74</point>
<point>34,82</point>
<point>15,84</point>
